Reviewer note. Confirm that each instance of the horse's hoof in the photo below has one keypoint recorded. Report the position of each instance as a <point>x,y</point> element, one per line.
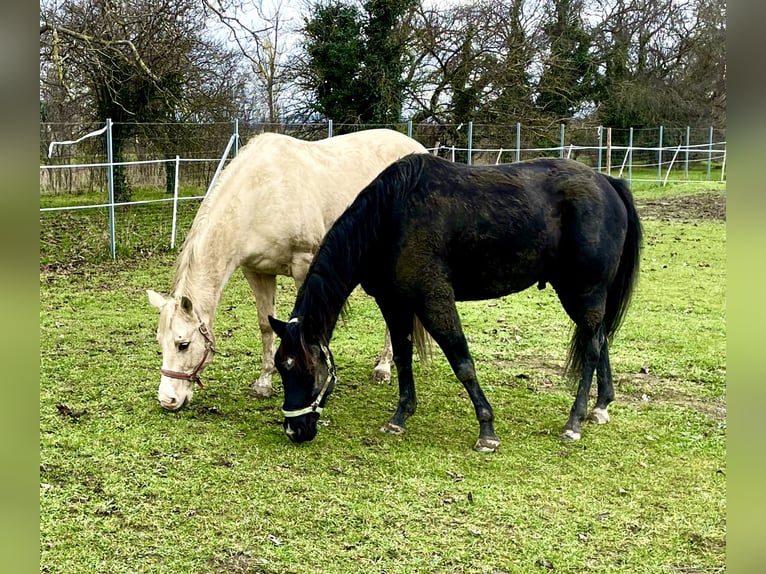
<point>261,391</point>
<point>569,434</point>
<point>391,428</point>
<point>486,444</point>
<point>381,376</point>
<point>598,416</point>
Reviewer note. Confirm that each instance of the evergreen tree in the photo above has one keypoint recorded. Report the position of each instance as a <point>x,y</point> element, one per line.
<point>356,61</point>
<point>569,69</point>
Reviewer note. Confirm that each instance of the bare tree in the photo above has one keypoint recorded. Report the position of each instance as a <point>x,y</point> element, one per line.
<point>663,61</point>
<point>263,34</point>
<point>473,62</point>
<point>138,62</point>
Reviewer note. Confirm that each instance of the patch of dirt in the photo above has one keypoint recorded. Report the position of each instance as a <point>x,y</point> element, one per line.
<point>648,388</point>
<point>630,388</point>
<point>698,206</point>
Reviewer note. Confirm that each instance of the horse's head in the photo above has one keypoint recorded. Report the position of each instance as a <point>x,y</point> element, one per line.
<point>187,346</point>
<point>308,377</point>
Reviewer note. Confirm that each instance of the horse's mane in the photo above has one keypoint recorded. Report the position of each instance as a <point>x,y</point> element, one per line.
<point>188,252</point>
<point>338,264</point>
<point>187,256</point>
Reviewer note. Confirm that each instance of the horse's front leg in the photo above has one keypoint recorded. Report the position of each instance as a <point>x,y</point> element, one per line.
<point>264,289</point>
<point>399,323</point>
<point>441,320</point>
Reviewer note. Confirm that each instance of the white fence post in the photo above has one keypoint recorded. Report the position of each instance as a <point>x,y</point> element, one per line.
<point>600,147</point>
<point>659,159</point>
<point>110,176</point>
<point>630,159</point>
<point>470,143</point>
<point>220,164</point>
<point>236,137</point>
<point>686,163</point>
<point>175,206</point>
<point>678,149</point>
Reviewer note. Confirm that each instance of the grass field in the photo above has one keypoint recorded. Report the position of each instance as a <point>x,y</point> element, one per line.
<point>217,487</point>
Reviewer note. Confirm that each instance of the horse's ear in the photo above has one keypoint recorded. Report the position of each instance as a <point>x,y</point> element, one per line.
<point>156,299</point>
<point>186,305</point>
<point>278,326</point>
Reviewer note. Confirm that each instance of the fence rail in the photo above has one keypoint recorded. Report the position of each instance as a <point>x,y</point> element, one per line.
<point>74,164</point>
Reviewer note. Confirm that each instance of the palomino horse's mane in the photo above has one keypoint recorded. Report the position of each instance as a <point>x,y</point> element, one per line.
<point>187,257</point>
<point>188,252</point>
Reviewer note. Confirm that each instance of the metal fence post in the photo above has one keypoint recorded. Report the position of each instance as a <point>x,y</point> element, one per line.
<point>110,176</point>
<point>236,137</point>
<point>630,157</point>
<point>686,162</point>
<point>329,128</point>
<point>470,143</point>
<point>659,160</point>
<point>710,153</point>
<point>600,147</point>
<point>175,205</point>
<point>518,141</point>
<point>409,128</point>
<point>609,151</point>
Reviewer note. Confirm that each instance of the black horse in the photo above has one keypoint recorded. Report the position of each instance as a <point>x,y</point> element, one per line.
<point>428,232</point>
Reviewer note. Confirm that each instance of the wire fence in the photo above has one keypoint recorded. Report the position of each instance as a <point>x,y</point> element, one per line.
<point>170,167</point>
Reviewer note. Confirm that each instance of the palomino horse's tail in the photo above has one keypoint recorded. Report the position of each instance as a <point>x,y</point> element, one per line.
<point>422,341</point>
<point>620,291</point>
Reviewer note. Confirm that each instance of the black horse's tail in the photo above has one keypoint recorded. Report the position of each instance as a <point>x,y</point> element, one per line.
<point>621,290</point>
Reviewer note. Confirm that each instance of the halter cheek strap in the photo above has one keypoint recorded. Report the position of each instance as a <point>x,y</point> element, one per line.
<point>194,375</point>
<point>314,406</point>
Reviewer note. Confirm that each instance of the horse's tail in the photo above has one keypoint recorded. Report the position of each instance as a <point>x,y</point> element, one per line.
<point>422,341</point>
<point>622,287</point>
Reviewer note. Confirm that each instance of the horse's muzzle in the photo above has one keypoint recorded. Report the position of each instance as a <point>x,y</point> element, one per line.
<point>301,429</point>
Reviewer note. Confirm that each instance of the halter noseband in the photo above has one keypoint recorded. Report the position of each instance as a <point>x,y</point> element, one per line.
<point>314,406</point>
<point>194,376</point>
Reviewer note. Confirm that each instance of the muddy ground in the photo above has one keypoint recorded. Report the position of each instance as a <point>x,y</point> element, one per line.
<point>706,206</point>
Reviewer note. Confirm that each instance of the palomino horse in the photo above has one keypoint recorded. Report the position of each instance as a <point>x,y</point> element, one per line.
<point>427,233</point>
<point>266,215</point>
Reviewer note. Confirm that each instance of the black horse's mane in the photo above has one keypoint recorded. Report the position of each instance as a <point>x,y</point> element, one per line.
<point>336,268</point>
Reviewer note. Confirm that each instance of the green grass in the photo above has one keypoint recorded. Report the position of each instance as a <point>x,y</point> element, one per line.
<point>646,188</point>
<point>217,487</point>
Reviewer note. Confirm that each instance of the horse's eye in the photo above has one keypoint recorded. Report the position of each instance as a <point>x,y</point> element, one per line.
<point>183,345</point>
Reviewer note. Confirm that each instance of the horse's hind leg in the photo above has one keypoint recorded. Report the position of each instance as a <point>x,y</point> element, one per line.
<point>264,289</point>
<point>588,345</point>
<point>382,371</point>
<point>599,414</point>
